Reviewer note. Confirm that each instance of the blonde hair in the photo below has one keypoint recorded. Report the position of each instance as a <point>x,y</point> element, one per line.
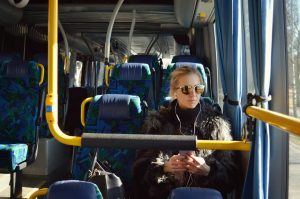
<point>178,73</point>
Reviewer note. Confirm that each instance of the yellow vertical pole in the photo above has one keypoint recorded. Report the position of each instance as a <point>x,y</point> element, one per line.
<point>52,56</point>
<point>52,96</point>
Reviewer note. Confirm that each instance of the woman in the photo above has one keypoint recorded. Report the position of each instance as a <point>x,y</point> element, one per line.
<point>156,172</point>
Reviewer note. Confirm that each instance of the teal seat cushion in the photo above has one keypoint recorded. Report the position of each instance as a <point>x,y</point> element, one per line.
<point>12,154</point>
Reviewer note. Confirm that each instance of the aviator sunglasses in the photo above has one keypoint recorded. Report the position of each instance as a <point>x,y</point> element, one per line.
<point>199,89</point>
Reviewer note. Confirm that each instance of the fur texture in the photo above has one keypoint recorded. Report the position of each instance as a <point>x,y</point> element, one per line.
<point>149,179</point>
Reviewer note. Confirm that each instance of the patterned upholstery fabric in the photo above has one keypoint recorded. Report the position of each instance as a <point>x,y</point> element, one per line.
<point>19,98</point>
<point>74,189</point>
<point>133,79</point>
<point>167,77</point>
<point>120,160</point>
<point>43,59</point>
<point>152,61</point>
<point>12,154</point>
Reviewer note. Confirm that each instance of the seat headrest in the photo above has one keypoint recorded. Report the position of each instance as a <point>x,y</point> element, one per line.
<point>119,106</point>
<point>186,58</point>
<point>131,71</point>
<point>17,69</point>
<point>73,189</point>
<point>194,192</point>
<point>189,64</point>
<point>151,60</point>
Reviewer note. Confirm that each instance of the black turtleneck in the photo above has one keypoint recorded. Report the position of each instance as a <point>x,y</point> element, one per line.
<point>186,116</point>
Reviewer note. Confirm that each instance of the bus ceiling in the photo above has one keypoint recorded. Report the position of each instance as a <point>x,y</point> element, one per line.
<point>89,19</point>
<point>152,16</point>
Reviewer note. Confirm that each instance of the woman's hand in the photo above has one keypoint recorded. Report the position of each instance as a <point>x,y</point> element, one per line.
<point>197,165</point>
<point>177,163</point>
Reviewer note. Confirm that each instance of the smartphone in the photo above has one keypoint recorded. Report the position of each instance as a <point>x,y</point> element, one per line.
<point>186,152</point>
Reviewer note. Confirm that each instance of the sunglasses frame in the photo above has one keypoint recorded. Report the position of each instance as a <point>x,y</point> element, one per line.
<point>189,89</point>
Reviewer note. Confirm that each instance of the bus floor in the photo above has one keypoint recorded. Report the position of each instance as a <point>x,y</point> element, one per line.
<point>31,183</point>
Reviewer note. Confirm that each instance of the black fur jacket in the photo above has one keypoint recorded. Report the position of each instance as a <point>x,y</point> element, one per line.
<point>149,180</point>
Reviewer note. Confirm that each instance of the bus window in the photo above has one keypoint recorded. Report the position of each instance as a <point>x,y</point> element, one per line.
<point>293,50</point>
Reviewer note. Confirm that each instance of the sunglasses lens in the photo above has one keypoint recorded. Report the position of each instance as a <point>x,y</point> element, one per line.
<point>189,89</point>
<point>199,89</point>
<point>185,90</point>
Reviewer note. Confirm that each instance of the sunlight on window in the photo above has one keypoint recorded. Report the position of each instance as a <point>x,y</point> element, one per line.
<point>293,49</point>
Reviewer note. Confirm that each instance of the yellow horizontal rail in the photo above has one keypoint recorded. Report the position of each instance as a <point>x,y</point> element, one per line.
<point>40,192</point>
<point>279,120</point>
<point>223,145</point>
<point>82,110</point>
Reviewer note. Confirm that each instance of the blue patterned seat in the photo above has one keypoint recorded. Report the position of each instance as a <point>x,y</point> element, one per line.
<point>133,79</point>
<point>74,189</point>
<point>110,113</point>
<point>156,69</point>
<point>19,102</point>
<point>194,193</point>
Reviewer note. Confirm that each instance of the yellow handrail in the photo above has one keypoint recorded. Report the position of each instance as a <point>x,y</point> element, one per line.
<point>279,120</point>
<point>40,192</point>
<point>42,73</point>
<point>107,69</point>
<point>82,110</point>
<point>223,145</point>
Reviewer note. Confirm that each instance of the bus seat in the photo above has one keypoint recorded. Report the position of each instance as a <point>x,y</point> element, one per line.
<point>133,79</point>
<point>156,69</point>
<point>110,113</point>
<point>194,193</point>
<point>74,189</point>
<point>167,77</point>
<point>19,114</point>
<point>186,58</point>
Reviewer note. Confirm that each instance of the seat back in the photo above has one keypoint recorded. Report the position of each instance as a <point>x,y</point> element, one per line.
<point>19,101</point>
<point>73,189</point>
<point>110,113</point>
<point>194,193</point>
<point>154,64</point>
<point>19,104</point>
<point>133,79</point>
